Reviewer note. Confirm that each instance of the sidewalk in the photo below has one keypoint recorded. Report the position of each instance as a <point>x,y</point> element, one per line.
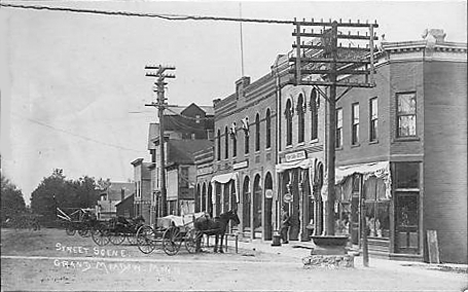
<point>299,250</point>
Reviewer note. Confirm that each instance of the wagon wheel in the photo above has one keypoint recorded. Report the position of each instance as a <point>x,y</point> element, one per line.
<point>171,241</point>
<point>132,239</point>
<point>116,238</point>
<point>100,237</point>
<point>84,231</point>
<point>145,239</point>
<point>191,240</point>
<point>70,229</point>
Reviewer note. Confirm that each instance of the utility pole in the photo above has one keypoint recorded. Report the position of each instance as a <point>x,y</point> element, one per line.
<point>320,62</point>
<point>161,105</point>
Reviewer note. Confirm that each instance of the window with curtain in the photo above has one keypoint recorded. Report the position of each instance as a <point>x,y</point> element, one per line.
<point>374,118</point>
<point>377,208</point>
<point>406,115</point>
<point>339,128</point>
<point>355,124</point>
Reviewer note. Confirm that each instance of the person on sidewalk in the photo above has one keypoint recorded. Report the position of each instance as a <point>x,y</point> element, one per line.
<point>285,224</point>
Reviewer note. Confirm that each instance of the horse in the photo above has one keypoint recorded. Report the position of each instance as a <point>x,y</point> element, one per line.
<point>216,226</point>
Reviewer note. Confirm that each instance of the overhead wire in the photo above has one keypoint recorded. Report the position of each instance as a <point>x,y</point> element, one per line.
<point>170,17</point>
<point>74,134</point>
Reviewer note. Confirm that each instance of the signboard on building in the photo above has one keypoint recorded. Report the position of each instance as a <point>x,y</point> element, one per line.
<point>241,164</point>
<point>298,155</point>
<point>205,170</point>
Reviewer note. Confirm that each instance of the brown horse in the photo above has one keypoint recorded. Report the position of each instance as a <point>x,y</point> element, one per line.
<point>216,226</point>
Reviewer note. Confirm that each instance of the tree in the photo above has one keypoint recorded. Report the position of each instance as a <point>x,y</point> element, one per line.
<point>12,201</point>
<point>56,191</point>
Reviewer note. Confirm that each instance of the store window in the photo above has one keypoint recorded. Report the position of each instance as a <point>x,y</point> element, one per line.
<point>406,115</point>
<point>377,208</point>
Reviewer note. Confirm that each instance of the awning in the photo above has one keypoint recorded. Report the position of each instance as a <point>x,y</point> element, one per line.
<point>379,169</point>
<point>304,164</point>
<point>223,179</point>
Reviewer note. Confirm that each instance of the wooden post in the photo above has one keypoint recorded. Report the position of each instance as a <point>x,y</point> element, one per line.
<point>364,246</point>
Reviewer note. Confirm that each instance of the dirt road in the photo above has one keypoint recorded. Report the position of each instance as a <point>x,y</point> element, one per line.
<point>50,260</point>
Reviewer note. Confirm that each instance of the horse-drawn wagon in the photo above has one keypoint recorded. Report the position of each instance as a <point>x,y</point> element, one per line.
<point>172,231</point>
<point>117,229</point>
<point>81,220</point>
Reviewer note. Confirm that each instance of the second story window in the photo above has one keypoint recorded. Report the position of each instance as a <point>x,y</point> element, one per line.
<point>355,124</point>
<point>226,143</point>
<point>257,132</point>
<point>314,115</point>
<point>219,145</point>
<point>268,129</point>
<point>339,128</point>
<point>234,139</point>
<point>245,127</point>
<point>374,118</point>
<point>300,119</point>
<point>406,115</point>
<point>288,116</point>
<point>184,177</point>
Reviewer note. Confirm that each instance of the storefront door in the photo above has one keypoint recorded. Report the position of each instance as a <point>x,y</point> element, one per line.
<point>407,223</point>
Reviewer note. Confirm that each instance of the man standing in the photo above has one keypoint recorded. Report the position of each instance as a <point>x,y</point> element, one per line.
<point>285,223</point>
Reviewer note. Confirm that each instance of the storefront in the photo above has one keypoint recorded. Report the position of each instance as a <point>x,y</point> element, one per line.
<point>301,181</point>
<point>225,193</point>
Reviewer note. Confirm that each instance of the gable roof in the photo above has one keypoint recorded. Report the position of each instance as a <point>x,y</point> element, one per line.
<point>114,191</point>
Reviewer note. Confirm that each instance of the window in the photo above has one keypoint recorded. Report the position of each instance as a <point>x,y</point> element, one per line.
<point>288,115</point>
<point>374,117</point>
<point>407,175</point>
<point>300,119</point>
<point>406,115</point>
<point>268,129</point>
<point>226,143</point>
<point>257,132</point>
<point>355,123</point>
<point>245,127</point>
<point>314,115</point>
<point>219,145</point>
<point>234,139</point>
<point>184,177</point>
<point>197,119</point>
<point>339,128</point>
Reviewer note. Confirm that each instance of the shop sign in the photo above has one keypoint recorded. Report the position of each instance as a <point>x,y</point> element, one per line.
<point>269,194</point>
<point>287,198</point>
<point>239,165</point>
<point>295,156</point>
<point>205,170</point>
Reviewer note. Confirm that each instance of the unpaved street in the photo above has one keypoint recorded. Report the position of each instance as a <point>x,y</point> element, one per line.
<point>49,260</point>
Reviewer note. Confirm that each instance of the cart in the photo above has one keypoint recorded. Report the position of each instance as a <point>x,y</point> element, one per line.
<point>81,221</point>
<point>170,233</point>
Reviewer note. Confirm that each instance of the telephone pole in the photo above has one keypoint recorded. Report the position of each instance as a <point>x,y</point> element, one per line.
<point>320,62</point>
<point>161,104</point>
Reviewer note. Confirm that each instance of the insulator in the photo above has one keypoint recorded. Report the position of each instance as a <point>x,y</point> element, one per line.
<point>312,20</point>
<point>349,20</point>
<point>366,33</point>
<point>341,20</point>
<point>358,32</point>
<point>358,21</point>
<point>367,21</point>
<point>349,32</point>
<point>303,30</point>
<point>321,19</point>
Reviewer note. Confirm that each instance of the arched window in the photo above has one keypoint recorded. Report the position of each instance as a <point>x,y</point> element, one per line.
<point>226,142</point>
<point>257,132</point>
<point>288,115</point>
<point>219,145</point>
<point>257,202</point>
<point>268,129</point>
<point>203,200</point>
<point>313,115</point>
<point>300,117</point>
<point>245,126</point>
<point>234,139</point>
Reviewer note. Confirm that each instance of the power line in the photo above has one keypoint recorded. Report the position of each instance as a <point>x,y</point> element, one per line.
<point>170,17</point>
<point>76,135</point>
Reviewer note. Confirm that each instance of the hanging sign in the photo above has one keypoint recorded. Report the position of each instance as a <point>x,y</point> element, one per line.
<point>241,164</point>
<point>287,198</point>
<point>269,194</point>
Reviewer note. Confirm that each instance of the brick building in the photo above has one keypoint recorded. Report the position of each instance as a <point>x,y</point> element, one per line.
<point>402,145</point>
<point>245,155</point>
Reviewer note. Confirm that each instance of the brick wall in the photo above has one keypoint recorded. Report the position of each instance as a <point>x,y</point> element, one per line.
<point>445,146</point>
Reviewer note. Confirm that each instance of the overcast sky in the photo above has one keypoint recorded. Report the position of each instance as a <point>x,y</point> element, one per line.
<point>73,85</point>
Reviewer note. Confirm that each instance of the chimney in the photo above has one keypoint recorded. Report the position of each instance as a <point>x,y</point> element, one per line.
<point>122,194</point>
<point>242,83</point>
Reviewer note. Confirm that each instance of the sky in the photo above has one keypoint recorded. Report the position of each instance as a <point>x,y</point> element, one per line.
<point>73,85</point>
